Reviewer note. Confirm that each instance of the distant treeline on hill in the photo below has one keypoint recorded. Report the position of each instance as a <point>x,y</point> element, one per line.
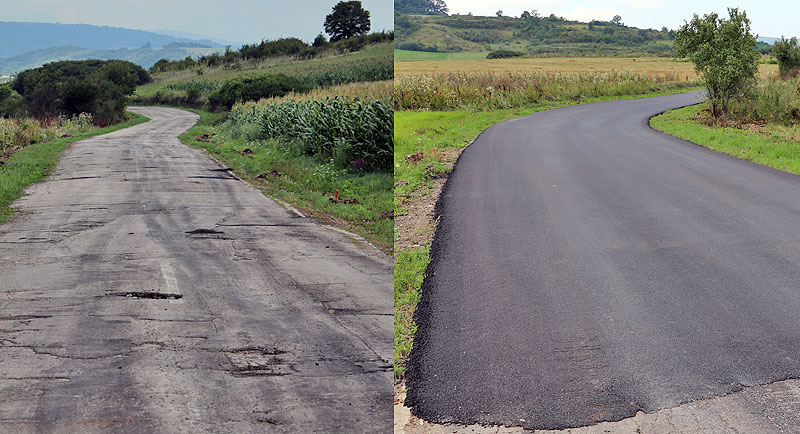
<point>283,47</point>
<point>530,33</point>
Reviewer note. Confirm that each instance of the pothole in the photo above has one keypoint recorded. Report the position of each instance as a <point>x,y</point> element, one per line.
<point>205,233</point>
<point>149,295</point>
<point>252,361</point>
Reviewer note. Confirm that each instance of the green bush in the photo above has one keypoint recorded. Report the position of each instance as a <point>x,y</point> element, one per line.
<point>253,88</point>
<point>503,54</point>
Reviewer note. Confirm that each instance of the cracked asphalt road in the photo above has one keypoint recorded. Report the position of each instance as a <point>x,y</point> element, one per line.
<point>586,267</point>
<point>144,289</point>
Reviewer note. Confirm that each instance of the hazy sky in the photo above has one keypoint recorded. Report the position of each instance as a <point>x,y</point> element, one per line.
<point>767,18</point>
<point>232,20</point>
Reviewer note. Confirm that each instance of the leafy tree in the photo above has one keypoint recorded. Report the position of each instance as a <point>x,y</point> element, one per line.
<point>347,19</point>
<point>421,7</point>
<point>787,52</point>
<point>499,14</point>
<point>253,88</point>
<point>617,20</point>
<point>723,52</point>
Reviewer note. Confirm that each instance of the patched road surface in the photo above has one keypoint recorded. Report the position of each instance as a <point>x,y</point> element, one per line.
<point>586,267</point>
<point>145,289</point>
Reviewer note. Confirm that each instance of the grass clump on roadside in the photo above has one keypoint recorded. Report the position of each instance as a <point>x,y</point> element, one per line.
<point>35,161</point>
<point>357,200</point>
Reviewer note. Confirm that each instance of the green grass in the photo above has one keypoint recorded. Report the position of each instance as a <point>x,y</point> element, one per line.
<point>422,131</point>
<point>418,56</point>
<point>774,145</point>
<point>304,182</point>
<point>34,162</point>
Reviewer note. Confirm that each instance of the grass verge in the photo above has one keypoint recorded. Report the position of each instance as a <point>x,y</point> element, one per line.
<point>34,162</point>
<point>364,204</point>
<point>427,144</point>
<point>772,145</point>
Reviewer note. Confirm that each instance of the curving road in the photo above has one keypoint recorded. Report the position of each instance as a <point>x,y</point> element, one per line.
<point>586,267</point>
<point>143,288</point>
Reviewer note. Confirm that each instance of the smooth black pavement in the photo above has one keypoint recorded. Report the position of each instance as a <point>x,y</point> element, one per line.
<point>586,267</point>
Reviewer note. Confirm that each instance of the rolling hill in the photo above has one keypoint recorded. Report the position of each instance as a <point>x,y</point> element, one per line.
<point>535,35</point>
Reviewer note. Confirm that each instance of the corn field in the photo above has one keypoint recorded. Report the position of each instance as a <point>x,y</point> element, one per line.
<point>496,90</point>
<point>370,90</point>
<point>16,133</point>
<point>354,133</point>
<point>352,74</point>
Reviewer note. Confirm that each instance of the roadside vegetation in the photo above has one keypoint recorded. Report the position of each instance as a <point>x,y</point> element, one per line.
<point>309,124</point>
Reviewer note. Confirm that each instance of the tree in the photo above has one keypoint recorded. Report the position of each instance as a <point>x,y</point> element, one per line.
<point>421,7</point>
<point>347,19</point>
<point>787,52</point>
<point>723,52</point>
<point>499,14</point>
<point>617,20</point>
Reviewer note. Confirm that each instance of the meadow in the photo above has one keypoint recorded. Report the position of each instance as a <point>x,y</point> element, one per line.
<point>681,70</point>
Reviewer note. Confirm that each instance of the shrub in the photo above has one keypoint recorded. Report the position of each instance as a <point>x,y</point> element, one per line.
<point>503,54</point>
<point>253,88</point>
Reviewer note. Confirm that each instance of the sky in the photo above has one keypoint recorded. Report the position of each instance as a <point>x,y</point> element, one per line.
<point>767,18</point>
<point>230,20</point>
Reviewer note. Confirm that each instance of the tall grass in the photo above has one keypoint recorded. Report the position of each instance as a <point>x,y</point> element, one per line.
<point>496,90</point>
<point>18,133</point>
<point>773,100</point>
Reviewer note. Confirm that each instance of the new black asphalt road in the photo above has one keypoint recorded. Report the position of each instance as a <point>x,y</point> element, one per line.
<point>144,289</point>
<point>586,267</point>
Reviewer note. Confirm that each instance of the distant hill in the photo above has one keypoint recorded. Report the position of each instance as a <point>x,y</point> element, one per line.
<point>143,56</point>
<point>17,38</point>
<point>30,45</point>
<point>528,35</point>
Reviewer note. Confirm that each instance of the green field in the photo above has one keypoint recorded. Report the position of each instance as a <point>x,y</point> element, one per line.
<point>423,56</point>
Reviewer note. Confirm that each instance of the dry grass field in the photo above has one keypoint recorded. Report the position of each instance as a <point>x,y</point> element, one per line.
<point>649,65</point>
